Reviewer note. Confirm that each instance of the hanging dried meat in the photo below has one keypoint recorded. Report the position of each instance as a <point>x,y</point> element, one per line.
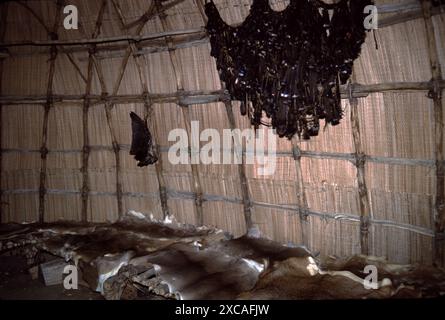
<point>289,65</point>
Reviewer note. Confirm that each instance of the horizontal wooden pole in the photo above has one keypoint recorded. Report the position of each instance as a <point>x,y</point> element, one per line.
<point>410,5</point>
<point>184,195</point>
<point>402,12</point>
<point>408,15</point>
<point>304,154</point>
<point>118,50</point>
<point>360,90</point>
<point>98,41</point>
<point>209,96</point>
<point>180,97</point>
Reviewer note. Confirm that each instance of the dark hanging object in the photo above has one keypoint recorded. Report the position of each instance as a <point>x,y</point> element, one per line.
<point>289,65</point>
<point>141,145</point>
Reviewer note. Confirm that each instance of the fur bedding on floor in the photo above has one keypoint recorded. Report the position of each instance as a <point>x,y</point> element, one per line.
<point>138,255</point>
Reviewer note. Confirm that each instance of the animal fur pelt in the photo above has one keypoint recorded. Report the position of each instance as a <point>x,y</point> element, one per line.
<point>142,144</point>
<point>410,281</point>
<point>300,278</point>
<point>185,262</point>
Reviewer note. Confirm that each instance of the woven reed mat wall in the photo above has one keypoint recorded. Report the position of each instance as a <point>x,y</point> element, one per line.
<point>369,185</point>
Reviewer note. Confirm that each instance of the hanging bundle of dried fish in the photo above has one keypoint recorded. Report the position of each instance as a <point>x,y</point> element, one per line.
<point>289,65</point>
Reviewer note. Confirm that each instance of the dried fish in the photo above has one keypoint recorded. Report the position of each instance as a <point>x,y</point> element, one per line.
<point>289,64</point>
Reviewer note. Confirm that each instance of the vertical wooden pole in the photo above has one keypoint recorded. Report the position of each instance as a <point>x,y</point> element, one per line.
<point>247,205</point>
<point>110,106</point>
<point>153,124</point>
<point>3,25</point>
<point>116,150</point>
<point>301,195</point>
<point>85,114</point>
<point>158,166</point>
<point>86,145</point>
<point>201,9</point>
<point>196,183</point>
<point>360,161</point>
<point>47,107</point>
<point>436,95</point>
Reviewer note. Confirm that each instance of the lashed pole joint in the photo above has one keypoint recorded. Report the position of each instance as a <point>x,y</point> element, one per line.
<point>360,160</point>
<point>435,93</point>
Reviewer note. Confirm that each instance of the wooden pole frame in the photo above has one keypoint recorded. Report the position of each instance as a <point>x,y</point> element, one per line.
<point>85,115</point>
<point>3,26</point>
<point>360,163</point>
<point>186,98</point>
<point>47,107</point>
<point>438,216</point>
<point>109,105</point>
<point>176,194</point>
<point>196,183</point>
<point>435,88</point>
<point>148,107</point>
<point>301,193</point>
<point>189,37</point>
<point>302,153</point>
<point>244,182</point>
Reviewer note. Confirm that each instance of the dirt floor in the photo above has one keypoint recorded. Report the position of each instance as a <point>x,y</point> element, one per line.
<point>17,284</point>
